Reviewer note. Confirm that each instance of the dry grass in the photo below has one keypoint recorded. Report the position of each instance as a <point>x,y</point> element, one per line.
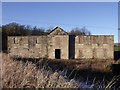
<point>93,64</point>
<point>16,74</point>
<point>19,74</point>
<point>115,82</point>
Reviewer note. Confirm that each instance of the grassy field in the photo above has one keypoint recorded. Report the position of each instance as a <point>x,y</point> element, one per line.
<point>53,74</point>
<point>18,74</point>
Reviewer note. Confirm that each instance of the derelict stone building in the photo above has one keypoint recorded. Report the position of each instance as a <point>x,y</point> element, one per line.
<point>60,45</point>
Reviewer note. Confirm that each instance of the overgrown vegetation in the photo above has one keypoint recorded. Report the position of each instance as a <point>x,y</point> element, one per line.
<point>39,74</point>
<point>116,47</point>
<point>18,74</point>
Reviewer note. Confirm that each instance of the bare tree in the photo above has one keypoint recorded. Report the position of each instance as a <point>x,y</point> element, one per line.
<point>80,31</point>
<point>49,29</point>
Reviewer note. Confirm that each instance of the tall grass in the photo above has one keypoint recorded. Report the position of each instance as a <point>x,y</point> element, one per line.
<point>17,74</point>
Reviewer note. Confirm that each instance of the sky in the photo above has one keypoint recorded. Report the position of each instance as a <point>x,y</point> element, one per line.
<point>119,21</point>
<point>60,0</point>
<point>101,18</point>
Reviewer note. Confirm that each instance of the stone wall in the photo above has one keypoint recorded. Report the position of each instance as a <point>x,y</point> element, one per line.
<point>38,46</point>
<point>71,47</point>
<point>58,42</point>
<point>94,46</point>
<point>28,46</point>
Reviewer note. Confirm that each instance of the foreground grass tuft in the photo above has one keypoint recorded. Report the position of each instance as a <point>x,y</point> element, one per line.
<point>16,74</point>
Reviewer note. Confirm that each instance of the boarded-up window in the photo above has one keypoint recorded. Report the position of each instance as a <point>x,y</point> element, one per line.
<point>39,40</point>
<point>80,53</point>
<point>21,41</point>
<point>99,41</point>
<point>105,53</point>
<point>84,38</point>
<point>88,39</point>
<point>94,53</point>
<point>79,39</point>
<point>57,41</point>
<point>31,42</point>
<point>57,32</point>
<point>25,40</point>
<point>105,40</point>
<point>94,40</point>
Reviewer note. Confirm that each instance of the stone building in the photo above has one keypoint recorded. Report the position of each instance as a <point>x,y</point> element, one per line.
<point>58,44</point>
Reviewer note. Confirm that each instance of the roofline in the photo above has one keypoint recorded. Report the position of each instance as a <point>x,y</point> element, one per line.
<point>94,35</point>
<point>56,28</point>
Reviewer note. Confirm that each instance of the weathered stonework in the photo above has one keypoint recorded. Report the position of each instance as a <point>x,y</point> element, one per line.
<point>59,44</point>
<point>101,47</point>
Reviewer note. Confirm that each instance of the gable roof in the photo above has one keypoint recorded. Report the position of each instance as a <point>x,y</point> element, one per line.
<point>58,31</point>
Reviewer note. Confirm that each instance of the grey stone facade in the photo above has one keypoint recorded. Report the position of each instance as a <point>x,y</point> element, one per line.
<point>60,45</point>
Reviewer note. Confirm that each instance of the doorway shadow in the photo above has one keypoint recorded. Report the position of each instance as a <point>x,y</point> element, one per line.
<point>57,53</point>
<point>116,55</point>
<point>71,46</point>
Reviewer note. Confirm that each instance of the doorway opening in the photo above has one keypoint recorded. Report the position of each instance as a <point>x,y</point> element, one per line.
<point>57,53</point>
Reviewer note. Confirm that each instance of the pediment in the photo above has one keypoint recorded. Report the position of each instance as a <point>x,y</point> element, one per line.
<point>58,31</point>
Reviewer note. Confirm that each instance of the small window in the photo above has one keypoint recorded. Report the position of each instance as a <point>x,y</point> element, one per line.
<point>105,52</point>
<point>94,53</point>
<point>36,40</point>
<point>105,40</point>
<point>94,40</point>
<point>31,42</point>
<point>80,53</point>
<point>57,41</point>
<point>79,39</point>
<point>14,40</point>
<point>21,41</point>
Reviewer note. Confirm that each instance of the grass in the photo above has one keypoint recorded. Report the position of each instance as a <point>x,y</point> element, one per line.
<point>17,74</point>
<point>116,48</point>
<point>48,74</point>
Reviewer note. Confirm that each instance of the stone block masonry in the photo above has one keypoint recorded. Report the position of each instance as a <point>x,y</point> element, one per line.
<point>60,45</point>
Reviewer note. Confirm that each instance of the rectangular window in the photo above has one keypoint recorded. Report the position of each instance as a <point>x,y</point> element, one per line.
<point>80,39</point>
<point>57,41</point>
<point>94,53</point>
<point>105,53</point>
<point>31,42</point>
<point>14,40</point>
<point>21,41</point>
<point>80,53</point>
<point>84,39</point>
<point>94,40</point>
<point>105,40</point>
<point>36,40</point>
